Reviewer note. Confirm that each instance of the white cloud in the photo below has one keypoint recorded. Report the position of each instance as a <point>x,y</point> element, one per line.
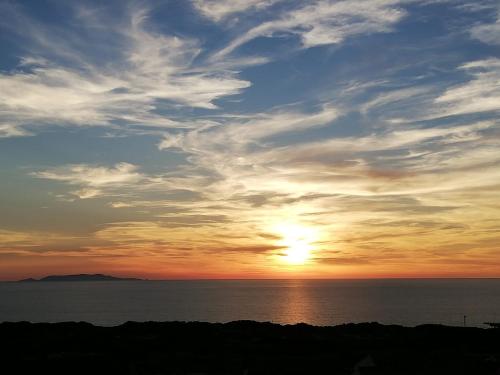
<point>120,204</point>
<point>86,193</point>
<point>243,155</point>
<point>241,133</point>
<point>170,141</point>
<point>480,94</point>
<point>394,97</point>
<point>218,10</point>
<point>231,158</point>
<point>155,71</point>
<point>487,33</point>
<point>94,180</point>
<point>326,22</point>
<point>10,130</point>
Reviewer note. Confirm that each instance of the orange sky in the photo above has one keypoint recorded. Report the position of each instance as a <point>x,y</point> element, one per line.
<point>250,139</point>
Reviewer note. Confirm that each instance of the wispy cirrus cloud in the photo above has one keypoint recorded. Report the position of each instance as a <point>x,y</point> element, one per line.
<point>488,32</point>
<point>258,128</point>
<point>480,94</point>
<point>11,130</point>
<point>242,156</point>
<point>93,179</point>
<point>391,154</point>
<point>409,168</point>
<point>218,10</point>
<point>325,22</point>
<point>154,71</point>
<point>83,174</point>
<point>245,175</point>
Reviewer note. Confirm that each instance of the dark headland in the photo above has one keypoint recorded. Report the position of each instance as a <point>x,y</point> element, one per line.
<point>80,277</point>
<point>246,347</point>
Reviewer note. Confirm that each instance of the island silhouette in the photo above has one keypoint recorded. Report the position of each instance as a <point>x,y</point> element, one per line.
<point>81,277</point>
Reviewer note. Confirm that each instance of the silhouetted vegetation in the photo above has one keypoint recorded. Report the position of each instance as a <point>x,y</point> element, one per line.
<point>246,347</point>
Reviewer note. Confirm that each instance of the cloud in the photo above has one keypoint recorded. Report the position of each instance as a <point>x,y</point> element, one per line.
<point>474,93</point>
<point>352,147</point>
<point>396,98</point>
<point>93,179</point>
<point>487,33</point>
<point>198,240</point>
<point>218,10</point>
<point>30,241</point>
<point>120,204</point>
<point>349,260</point>
<point>152,72</point>
<point>256,249</point>
<point>480,94</point>
<point>10,237</point>
<point>233,157</point>
<point>309,179</point>
<point>389,165</point>
<point>257,128</point>
<point>10,130</point>
<point>245,175</point>
<point>86,193</point>
<point>326,22</point>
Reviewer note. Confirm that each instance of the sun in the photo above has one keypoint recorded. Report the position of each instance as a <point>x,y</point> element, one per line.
<point>298,243</point>
<point>298,252</point>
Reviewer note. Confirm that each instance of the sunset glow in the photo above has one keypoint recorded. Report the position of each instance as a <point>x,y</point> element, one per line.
<point>250,139</point>
<point>297,242</point>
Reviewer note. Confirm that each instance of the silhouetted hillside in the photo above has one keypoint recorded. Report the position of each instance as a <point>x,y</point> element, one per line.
<point>247,347</point>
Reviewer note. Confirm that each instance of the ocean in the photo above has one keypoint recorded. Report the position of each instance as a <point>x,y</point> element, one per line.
<point>319,302</point>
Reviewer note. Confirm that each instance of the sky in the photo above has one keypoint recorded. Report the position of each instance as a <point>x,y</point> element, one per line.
<point>250,138</point>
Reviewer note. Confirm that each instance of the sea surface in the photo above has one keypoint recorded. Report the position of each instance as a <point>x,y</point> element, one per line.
<point>318,302</point>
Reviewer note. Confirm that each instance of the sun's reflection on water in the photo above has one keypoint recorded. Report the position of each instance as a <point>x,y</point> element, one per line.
<point>297,305</point>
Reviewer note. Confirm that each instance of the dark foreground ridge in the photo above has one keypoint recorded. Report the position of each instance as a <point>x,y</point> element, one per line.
<point>246,347</point>
<point>80,277</point>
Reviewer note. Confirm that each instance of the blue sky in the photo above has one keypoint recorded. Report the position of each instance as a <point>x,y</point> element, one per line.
<point>161,138</point>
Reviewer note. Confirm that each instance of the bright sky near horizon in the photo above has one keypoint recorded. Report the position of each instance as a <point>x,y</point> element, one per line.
<point>250,138</point>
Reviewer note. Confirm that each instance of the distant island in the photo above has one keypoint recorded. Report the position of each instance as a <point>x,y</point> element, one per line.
<point>81,277</point>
